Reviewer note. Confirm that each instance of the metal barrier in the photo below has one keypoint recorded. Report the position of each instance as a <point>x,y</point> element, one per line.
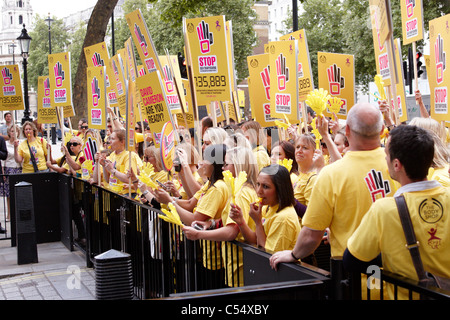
<point>167,265</point>
<point>4,208</point>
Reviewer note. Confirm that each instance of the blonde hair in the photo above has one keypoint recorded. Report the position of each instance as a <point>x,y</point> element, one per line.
<point>32,125</point>
<point>155,152</point>
<point>216,135</point>
<point>441,151</point>
<point>431,125</point>
<point>255,132</point>
<point>244,159</point>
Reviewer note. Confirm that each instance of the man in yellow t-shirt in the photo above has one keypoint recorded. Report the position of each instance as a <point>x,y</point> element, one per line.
<point>345,189</point>
<point>409,153</point>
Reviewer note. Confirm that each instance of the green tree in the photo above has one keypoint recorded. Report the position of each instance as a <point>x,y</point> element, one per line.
<point>344,27</point>
<point>76,47</point>
<point>164,21</point>
<point>39,46</point>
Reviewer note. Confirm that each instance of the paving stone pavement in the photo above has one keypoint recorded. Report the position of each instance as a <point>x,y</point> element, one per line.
<point>59,274</point>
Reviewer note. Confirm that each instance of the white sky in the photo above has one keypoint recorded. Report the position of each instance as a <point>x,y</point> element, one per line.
<point>60,8</point>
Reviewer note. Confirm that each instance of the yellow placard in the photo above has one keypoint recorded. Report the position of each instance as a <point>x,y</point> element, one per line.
<point>189,112</point>
<point>337,76</point>
<point>116,65</point>
<point>96,97</point>
<point>304,71</point>
<point>167,146</point>
<point>11,97</point>
<point>259,89</point>
<point>400,87</point>
<point>440,75</point>
<point>154,103</point>
<point>46,113</point>
<point>283,79</point>
<point>207,45</point>
<point>412,20</point>
<point>143,41</point>
<point>60,82</point>
<point>380,49</point>
<point>169,83</point>
<point>98,55</point>
<point>380,14</point>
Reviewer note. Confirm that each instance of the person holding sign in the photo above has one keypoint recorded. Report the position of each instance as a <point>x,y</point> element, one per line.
<point>237,160</point>
<point>213,202</point>
<point>116,165</point>
<point>32,152</point>
<point>72,158</point>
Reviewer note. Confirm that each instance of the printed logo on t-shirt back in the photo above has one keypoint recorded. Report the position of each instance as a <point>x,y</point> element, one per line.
<point>378,187</point>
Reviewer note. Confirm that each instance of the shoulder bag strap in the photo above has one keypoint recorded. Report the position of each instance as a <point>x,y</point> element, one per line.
<point>33,160</point>
<point>411,243</point>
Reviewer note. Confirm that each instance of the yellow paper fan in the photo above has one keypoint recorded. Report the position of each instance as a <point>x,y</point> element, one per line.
<point>234,184</point>
<point>317,100</point>
<point>171,215</point>
<point>287,163</point>
<point>380,85</point>
<point>281,124</point>
<point>335,104</point>
<point>148,169</point>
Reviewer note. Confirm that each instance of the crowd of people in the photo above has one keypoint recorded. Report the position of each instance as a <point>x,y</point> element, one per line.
<point>298,192</point>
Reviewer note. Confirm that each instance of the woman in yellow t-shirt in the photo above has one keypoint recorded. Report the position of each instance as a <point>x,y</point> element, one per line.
<point>211,204</point>
<point>305,147</point>
<point>116,165</point>
<point>285,150</point>
<point>72,160</point>
<point>236,160</point>
<point>38,147</point>
<point>276,221</point>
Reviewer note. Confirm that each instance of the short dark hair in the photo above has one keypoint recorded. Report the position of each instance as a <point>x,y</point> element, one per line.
<point>414,148</point>
<point>281,178</point>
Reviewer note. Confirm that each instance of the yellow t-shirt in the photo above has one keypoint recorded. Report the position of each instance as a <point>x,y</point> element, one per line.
<point>39,149</point>
<point>214,204</point>
<point>304,185</point>
<point>343,193</point>
<point>121,163</point>
<point>441,175</point>
<point>381,231</point>
<point>281,228</point>
<point>231,253</point>
<point>262,157</point>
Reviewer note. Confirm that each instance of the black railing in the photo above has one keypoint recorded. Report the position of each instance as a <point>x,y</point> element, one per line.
<point>167,265</point>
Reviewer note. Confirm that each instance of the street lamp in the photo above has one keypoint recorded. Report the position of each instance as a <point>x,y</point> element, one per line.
<point>24,44</point>
<point>49,21</point>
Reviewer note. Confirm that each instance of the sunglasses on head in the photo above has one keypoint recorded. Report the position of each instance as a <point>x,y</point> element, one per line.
<point>74,144</point>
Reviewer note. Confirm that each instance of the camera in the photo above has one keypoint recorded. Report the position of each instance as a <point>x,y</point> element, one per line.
<point>177,164</point>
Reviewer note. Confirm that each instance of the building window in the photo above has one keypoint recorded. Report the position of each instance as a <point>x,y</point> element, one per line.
<point>20,19</point>
<point>20,3</point>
